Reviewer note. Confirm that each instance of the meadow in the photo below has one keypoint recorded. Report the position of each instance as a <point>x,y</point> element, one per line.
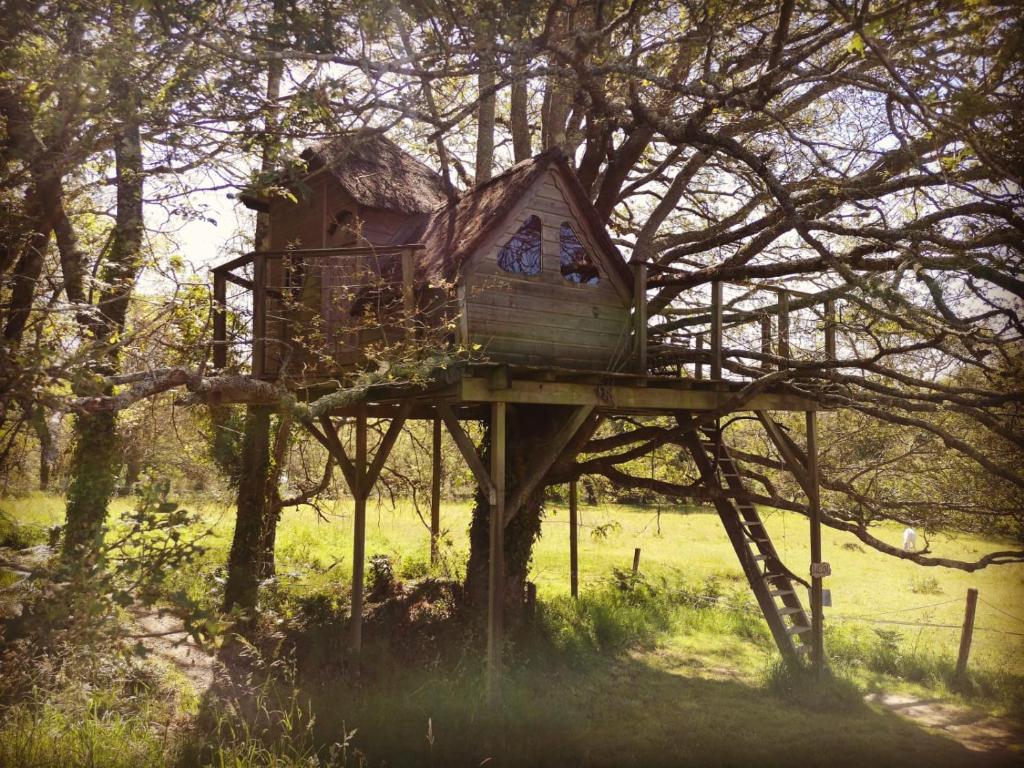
<point>679,673</point>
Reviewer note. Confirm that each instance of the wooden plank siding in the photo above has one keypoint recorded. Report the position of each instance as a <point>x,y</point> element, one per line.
<point>307,224</point>
<point>545,319</point>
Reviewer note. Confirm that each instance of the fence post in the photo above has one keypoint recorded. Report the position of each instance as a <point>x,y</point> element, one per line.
<point>640,316</point>
<point>574,568</point>
<point>636,561</point>
<point>967,634</point>
<point>716,330</point>
<point>435,491</point>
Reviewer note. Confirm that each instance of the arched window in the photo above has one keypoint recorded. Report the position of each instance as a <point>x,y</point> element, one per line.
<point>573,259</point>
<point>521,254</point>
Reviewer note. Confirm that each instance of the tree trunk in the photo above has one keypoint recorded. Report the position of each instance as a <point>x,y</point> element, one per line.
<point>95,459</point>
<point>247,544</point>
<point>519,117</point>
<point>529,428</point>
<point>485,111</point>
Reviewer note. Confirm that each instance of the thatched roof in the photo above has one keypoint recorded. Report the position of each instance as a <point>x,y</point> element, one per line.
<point>377,173</point>
<point>451,233</point>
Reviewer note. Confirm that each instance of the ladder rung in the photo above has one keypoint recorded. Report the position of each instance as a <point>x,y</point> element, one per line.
<point>760,557</point>
<point>751,522</point>
<point>781,592</point>
<point>797,629</point>
<point>789,611</point>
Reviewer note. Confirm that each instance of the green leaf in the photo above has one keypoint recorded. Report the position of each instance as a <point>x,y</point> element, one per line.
<point>856,45</point>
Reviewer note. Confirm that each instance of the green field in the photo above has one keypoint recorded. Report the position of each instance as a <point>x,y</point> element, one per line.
<point>697,689</point>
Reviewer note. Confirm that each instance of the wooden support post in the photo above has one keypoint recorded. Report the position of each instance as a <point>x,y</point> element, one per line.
<point>814,497</point>
<point>408,292</point>
<point>259,315</point>
<point>435,492</point>
<point>966,635</point>
<point>640,316</point>
<point>220,320</point>
<point>496,575</point>
<point>636,561</point>
<point>766,340</point>
<point>574,568</point>
<point>360,492</point>
<point>716,330</point>
<point>698,367</point>
<point>830,329</point>
<point>784,350</point>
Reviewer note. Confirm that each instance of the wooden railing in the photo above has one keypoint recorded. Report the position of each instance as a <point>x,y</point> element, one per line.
<point>270,282</point>
<point>708,348</point>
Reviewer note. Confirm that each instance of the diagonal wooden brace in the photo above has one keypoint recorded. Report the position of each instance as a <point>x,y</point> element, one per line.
<point>386,444</point>
<point>468,451</point>
<point>792,454</point>
<point>543,461</point>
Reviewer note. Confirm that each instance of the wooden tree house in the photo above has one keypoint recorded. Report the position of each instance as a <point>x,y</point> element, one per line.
<point>518,280</point>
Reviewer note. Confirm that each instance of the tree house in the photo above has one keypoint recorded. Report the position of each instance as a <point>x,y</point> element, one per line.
<point>518,279</point>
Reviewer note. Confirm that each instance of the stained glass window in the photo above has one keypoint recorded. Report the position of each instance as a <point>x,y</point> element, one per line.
<point>573,258</point>
<point>521,254</point>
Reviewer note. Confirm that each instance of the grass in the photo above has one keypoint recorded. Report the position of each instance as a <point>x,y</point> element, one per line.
<point>644,676</point>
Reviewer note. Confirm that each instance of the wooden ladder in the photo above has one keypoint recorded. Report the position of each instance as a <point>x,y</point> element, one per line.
<point>772,583</point>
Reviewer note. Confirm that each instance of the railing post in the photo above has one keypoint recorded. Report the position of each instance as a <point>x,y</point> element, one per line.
<point>830,329</point>
<point>408,292</point>
<point>640,316</point>
<point>766,340</point>
<point>259,315</point>
<point>716,330</point>
<point>784,326</point>
<point>220,320</point>
<point>698,367</point>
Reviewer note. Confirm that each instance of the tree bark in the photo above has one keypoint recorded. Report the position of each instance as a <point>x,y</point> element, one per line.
<point>248,541</point>
<point>96,456</point>
<point>485,111</point>
<point>529,429</point>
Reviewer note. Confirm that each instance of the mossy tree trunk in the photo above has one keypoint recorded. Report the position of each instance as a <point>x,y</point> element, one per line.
<point>96,458</point>
<point>529,429</point>
<point>248,541</point>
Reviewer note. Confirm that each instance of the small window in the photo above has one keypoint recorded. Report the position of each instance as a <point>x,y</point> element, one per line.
<point>573,258</point>
<point>521,254</point>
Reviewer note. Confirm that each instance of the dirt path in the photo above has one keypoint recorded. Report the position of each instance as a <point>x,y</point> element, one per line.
<point>165,638</point>
<point>977,731</point>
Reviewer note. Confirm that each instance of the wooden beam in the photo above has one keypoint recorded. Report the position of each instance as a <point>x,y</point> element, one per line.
<point>329,439</point>
<point>830,329</point>
<point>698,367</point>
<point>220,321</point>
<point>623,397</point>
<point>792,455</point>
<point>496,573</point>
<point>386,444</point>
<point>814,497</point>
<point>784,350</point>
<point>468,451</point>
<point>766,340</point>
<point>574,567</point>
<point>259,316</point>
<point>716,330</point>
<point>359,538</point>
<point>408,294</point>
<point>543,461</point>
<point>435,491</point>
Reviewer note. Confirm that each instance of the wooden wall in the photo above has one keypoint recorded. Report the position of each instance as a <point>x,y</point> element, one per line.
<point>545,319</point>
<point>310,327</point>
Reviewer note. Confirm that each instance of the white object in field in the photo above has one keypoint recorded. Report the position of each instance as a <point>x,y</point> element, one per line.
<point>909,540</point>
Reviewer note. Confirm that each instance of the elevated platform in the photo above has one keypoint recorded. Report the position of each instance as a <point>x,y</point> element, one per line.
<point>471,387</point>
